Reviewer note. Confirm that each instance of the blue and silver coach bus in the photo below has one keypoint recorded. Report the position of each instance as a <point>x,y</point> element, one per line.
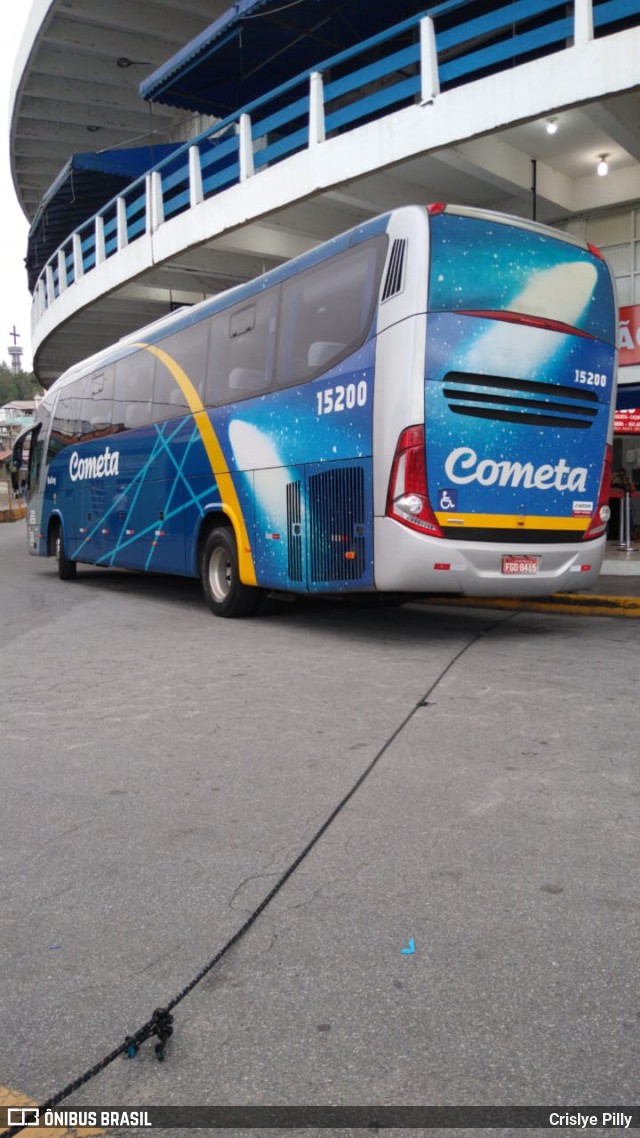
<point>424,403</point>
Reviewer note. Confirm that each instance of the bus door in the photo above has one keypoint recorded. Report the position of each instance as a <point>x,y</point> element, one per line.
<point>28,452</point>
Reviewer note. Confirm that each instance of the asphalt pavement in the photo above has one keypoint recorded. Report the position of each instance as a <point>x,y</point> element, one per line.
<point>473,775</point>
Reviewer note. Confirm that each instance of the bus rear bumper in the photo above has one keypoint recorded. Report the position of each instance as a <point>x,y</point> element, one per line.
<point>407,561</point>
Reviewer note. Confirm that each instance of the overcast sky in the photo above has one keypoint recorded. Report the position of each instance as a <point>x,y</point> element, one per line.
<point>15,300</point>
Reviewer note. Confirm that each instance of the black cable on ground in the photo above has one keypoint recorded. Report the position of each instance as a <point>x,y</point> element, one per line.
<point>161,1021</point>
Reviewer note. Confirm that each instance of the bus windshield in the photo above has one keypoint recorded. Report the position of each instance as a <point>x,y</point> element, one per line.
<point>482,266</point>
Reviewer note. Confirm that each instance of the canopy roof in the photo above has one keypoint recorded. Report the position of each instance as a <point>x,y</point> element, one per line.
<point>84,185</point>
<point>259,44</point>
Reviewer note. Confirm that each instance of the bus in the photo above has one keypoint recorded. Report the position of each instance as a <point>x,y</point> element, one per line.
<point>423,404</point>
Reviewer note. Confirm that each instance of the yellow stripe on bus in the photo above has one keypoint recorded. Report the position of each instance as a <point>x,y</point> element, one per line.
<point>230,502</point>
<point>511,521</point>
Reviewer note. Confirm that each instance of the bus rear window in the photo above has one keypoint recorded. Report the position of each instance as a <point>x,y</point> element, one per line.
<point>484,266</point>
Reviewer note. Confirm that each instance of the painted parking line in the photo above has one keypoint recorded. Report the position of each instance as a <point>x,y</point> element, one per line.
<point>12,1100</point>
<point>572,604</point>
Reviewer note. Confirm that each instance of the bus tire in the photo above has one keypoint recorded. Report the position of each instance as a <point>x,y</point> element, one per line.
<point>224,592</point>
<point>66,568</point>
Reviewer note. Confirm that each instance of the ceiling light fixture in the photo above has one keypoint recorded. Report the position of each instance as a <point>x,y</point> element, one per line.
<point>603,166</point>
<point>552,126</point>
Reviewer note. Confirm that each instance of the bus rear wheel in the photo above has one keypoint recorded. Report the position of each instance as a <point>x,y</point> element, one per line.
<point>66,568</point>
<point>224,591</point>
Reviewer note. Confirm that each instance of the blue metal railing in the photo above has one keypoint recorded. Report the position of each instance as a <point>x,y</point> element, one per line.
<point>364,82</point>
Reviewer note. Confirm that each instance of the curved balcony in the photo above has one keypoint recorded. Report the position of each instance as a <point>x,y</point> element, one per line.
<point>430,108</point>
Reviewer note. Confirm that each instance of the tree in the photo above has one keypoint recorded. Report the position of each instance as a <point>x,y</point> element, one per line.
<point>17,385</point>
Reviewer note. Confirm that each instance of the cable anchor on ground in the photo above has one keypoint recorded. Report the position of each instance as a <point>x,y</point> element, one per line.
<point>160,1025</point>
<point>162,1021</point>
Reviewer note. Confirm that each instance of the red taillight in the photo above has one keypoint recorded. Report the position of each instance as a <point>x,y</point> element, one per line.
<point>436,207</point>
<point>596,252</point>
<point>602,513</point>
<point>408,499</point>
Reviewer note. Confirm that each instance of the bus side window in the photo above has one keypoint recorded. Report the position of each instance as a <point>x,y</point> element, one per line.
<point>168,400</point>
<point>36,450</point>
<point>133,390</point>
<point>327,312</point>
<point>63,428</point>
<point>82,396</point>
<point>100,405</point>
<point>188,350</point>
<point>242,344</point>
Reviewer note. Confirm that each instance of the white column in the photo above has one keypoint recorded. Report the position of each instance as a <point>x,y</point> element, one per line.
<point>196,194</point>
<point>51,288</point>
<point>316,109</point>
<point>101,254</point>
<point>121,223</point>
<point>62,270</point>
<point>583,16</point>
<point>155,209</point>
<point>429,78</point>
<point>78,267</point>
<point>246,148</point>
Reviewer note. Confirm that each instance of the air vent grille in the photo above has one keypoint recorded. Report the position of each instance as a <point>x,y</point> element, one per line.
<point>395,273</point>
<point>502,399</point>
<point>337,547</point>
<point>294,532</point>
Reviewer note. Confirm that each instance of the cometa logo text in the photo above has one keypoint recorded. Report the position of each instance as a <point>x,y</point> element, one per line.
<point>462,466</point>
<point>94,466</point>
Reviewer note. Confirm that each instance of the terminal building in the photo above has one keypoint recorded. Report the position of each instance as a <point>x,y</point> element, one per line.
<point>166,150</point>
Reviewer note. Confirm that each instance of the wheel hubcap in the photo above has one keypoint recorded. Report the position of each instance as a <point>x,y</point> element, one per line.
<point>220,574</point>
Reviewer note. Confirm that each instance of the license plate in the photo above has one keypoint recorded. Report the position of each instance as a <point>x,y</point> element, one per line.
<point>516,566</point>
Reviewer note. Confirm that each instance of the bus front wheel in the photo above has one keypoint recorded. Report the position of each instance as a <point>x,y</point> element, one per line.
<point>66,568</point>
<point>224,591</point>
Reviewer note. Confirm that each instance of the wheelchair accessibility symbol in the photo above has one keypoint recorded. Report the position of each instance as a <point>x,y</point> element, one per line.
<point>447,499</point>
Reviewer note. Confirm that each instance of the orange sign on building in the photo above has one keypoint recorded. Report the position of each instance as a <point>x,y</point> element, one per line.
<point>629,335</point>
